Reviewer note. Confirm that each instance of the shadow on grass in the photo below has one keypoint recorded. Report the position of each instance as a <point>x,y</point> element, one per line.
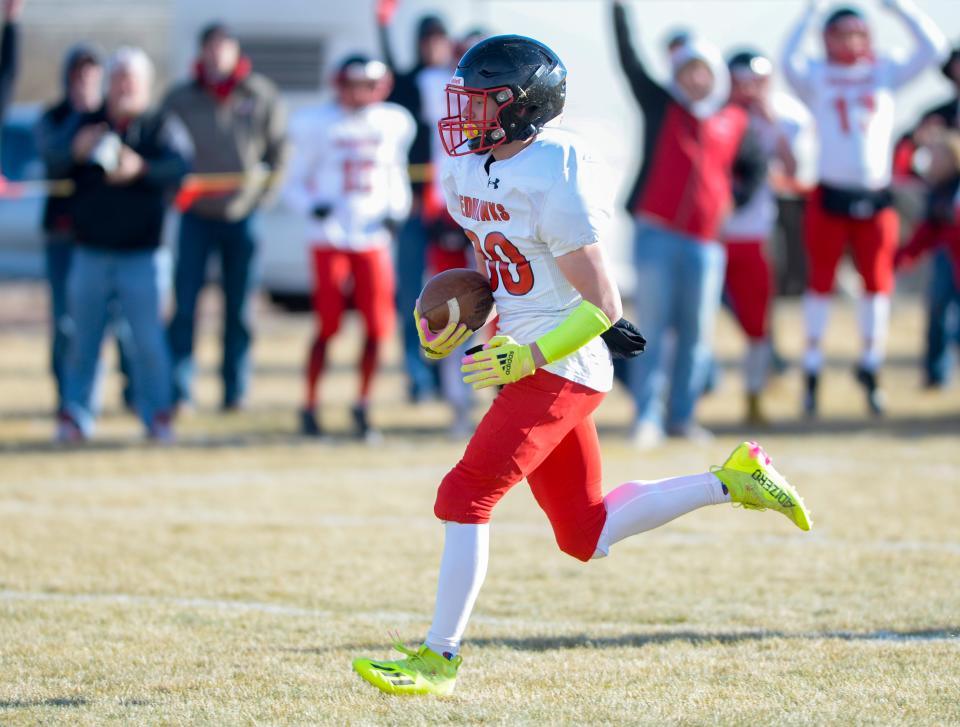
<point>586,641</point>
<point>273,436</point>
<point>54,702</point>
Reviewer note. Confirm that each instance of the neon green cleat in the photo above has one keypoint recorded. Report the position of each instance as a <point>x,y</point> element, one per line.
<point>755,484</point>
<point>422,672</point>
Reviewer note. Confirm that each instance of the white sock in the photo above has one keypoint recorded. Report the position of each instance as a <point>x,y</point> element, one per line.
<point>636,507</point>
<point>816,310</point>
<point>874,317</point>
<point>756,365</point>
<point>466,549</point>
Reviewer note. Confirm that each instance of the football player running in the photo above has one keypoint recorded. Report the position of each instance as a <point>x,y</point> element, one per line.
<point>535,206</point>
<point>851,97</point>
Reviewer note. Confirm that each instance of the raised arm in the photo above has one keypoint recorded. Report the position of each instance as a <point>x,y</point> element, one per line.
<point>795,62</point>
<point>644,87</point>
<point>385,11</point>
<point>930,45</point>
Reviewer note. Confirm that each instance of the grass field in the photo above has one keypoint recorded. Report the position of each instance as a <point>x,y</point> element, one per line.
<point>230,579</point>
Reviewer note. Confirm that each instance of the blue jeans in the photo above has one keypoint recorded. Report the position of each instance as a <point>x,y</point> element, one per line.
<point>234,243</point>
<point>943,318</point>
<point>58,254</point>
<point>678,287</point>
<point>411,264</point>
<point>100,285</point>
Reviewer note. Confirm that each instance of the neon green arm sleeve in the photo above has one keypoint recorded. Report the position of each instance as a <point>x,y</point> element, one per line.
<point>584,323</point>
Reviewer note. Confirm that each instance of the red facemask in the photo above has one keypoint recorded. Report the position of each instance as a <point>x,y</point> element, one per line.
<point>838,50</point>
<point>462,131</point>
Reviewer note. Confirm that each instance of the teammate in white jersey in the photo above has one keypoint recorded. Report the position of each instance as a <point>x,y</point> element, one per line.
<point>349,176</point>
<point>851,96</point>
<point>535,207</point>
<point>748,282</point>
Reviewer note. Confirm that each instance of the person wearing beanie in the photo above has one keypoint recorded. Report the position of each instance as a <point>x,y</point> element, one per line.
<point>851,95</point>
<point>746,234</point>
<point>127,161</point>
<point>82,94</point>
<point>700,161</point>
<point>238,125</point>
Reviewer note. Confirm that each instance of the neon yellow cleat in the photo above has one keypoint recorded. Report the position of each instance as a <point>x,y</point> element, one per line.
<point>755,484</point>
<point>422,672</point>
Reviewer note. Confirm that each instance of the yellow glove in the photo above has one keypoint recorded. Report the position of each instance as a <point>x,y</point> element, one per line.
<point>439,345</point>
<point>502,361</point>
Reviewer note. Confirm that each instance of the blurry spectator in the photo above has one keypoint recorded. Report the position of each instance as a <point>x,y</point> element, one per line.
<point>349,176</point>
<point>467,41</point>
<point>449,248</point>
<point>692,145</point>
<point>9,53</point>
<point>127,162</point>
<point>851,96</point>
<point>83,94</point>
<point>943,295</point>
<point>238,125</point>
<point>940,229</point>
<point>421,91</point>
<point>746,233</point>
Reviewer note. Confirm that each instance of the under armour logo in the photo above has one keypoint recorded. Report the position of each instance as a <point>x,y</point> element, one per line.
<point>495,183</point>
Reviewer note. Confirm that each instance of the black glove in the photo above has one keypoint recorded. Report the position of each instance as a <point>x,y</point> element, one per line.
<point>624,340</point>
<point>321,211</point>
<point>392,226</point>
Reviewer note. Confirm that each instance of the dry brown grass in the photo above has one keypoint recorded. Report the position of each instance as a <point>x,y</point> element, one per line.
<point>230,579</point>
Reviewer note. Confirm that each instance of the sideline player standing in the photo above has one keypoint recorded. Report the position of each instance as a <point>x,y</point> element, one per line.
<point>746,233</point>
<point>531,203</point>
<point>850,95</point>
<point>350,176</point>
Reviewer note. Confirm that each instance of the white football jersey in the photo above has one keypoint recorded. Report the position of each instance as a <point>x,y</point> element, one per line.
<point>355,163</point>
<point>547,201</point>
<point>853,105</point>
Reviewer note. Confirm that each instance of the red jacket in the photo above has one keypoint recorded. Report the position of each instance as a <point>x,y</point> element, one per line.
<point>695,170</point>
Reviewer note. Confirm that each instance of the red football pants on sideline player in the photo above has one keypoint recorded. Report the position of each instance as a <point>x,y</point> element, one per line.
<point>541,428</point>
<point>372,274</point>
<point>873,241</point>
<point>749,284</point>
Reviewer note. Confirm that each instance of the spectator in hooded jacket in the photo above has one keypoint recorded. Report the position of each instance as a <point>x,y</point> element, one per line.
<point>238,125</point>
<point>421,91</point>
<point>83,94</point>
<point>699,158</point>
<point>127,161</point>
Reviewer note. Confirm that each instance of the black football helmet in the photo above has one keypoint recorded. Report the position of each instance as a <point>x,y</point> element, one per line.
<point>505,89</point>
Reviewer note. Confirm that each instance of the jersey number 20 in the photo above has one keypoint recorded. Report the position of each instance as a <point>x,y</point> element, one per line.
<point>505,263</point>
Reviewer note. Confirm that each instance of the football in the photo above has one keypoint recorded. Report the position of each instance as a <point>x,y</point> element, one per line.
<point>458,295</point>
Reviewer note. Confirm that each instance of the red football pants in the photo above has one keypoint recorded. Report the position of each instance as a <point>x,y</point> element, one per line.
<point>371,272</point>
<point>541,428</point>
<point>749,284</point>
<point>873,240</point>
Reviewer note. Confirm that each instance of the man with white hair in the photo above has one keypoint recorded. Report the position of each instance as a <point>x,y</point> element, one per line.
<point>693,145</point>
<point>127,161</point>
